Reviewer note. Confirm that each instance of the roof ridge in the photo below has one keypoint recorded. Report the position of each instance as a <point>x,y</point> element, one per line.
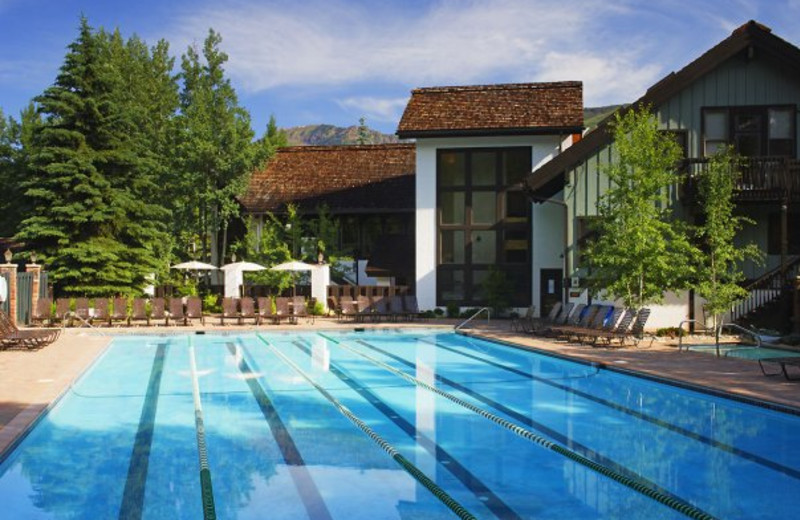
<point>498,86</point>
<point>343,147</point>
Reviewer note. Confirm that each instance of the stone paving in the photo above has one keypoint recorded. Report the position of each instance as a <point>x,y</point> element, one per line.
<point>31,380</point>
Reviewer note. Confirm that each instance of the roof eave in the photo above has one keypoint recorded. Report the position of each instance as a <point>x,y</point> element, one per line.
<point>488,132</point>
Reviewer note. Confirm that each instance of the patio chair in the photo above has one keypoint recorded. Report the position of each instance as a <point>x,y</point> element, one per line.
<point>333,306</point>
<point>247,310</point>
<point>139,311</point>
<point>63,312</point>
<point>380,308</point>
<point>43,313</point>
<point>101,314</point>
<point>783,362</point>
<point>396,310</point>
<point>411,306</point>
<point>158,311</point>
<point>566,318</point>
<point>11,336</point>
<point>365,308</point>
<point>618,331</point>
<point>194,310</point>
<point>229,310</point>
<point>348,310</point>
<point>605,320</point>
<point>537,323</point>
<point>82,310</point>
<point>119,312</point>
<point>176,313</point>
<point>300,309</point>
<point>282,310</point>
<point>523,323</point>
<point>264,309</point>
<point>593,318</point>
<point>636,333</point>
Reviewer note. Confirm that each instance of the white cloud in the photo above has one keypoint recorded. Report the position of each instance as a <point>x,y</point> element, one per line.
<point>376,109</point>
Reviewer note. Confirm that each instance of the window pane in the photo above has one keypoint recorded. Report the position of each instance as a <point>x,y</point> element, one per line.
<point>452,247</point>
<point>484,207</point>
<point>515,246</point>
<point>451,286</point>
<point>716,125</point>
<point>517,206</point>
<point>748,145</point>
<point>780,124</point>
<point>484,168</point>
<point>748,123</point>
<point>484,247</point>
<point>451,168</point>
<point>478,290</point>
<point>452,207</point>
<point>713,147</point>
<point>516,165</point>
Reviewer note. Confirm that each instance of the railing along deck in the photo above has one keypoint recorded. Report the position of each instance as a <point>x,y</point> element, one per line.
<point>762,179</point>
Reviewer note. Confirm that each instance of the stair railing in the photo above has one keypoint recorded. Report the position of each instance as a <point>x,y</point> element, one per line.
<point>767,288</point>
<point>475,315</point>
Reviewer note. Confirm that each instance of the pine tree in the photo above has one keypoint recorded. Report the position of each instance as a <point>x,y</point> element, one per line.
<point>640,252</point>
<point>363,132</point>
<point>93,223</point>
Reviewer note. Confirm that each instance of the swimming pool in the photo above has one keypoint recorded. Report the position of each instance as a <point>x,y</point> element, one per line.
<point>386,424</point>
<point>743,351</point>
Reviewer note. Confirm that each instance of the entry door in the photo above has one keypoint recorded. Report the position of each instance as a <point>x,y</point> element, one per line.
<point>551,289</point>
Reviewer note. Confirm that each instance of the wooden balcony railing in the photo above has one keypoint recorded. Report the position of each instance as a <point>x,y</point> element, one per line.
<point>762,179</point>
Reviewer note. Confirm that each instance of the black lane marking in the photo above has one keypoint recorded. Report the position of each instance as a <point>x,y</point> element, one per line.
<point>575,446</point>
<point>306,487</point>
<point>495,504</point>
<point>133,495</point>
<point>752,457</point>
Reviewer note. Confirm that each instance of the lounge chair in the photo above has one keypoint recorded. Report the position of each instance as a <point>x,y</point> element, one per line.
<point>300,309</point>
<point>282,310</point>
<point>101,314</point>
<point>333,306</point>
<point>636,333</point>
<point>396,310</point>
<point>63,312</point>
<point>247,310</point>
<point>380,308</point>
<point>618,331</point>
<point>176,313</point>
<point>158,311</point>
<point>565,319</point>
<point>365,309</point>
<point>119,313</point>
<point>783,362</point>
<point>194,310</point>
<point>11,336</point>
<point>411,306</point>
<point>264,309</point>
<point>604,321</point>
<point>538,323</point>
<point>523,323</point>
<point>139,311</point>
<point>593,318</point>
<point>348,310</point>
<point>229,310</point>
<point>82,310</point>
<point>43,313</point>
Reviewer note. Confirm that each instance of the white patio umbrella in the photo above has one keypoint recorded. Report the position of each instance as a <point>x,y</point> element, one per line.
<point>234,276</point>
<point>294,266</point>
<point>194,265</point>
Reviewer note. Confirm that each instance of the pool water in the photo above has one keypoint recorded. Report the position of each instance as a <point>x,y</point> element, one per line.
<point>383,424</point>
<point>743,351</point>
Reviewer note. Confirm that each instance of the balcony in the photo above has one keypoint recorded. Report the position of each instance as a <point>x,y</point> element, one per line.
<point>763,179</point>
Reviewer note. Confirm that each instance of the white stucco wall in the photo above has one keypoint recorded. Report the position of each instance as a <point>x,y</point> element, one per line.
<point>547,237</point>
<point>426,253</point>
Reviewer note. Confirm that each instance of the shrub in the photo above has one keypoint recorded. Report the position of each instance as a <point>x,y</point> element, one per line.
<point>670,332</point>
<point>211,303</point>
<point>452,310</point>
<point>317,309</point>
<point>438,312</point>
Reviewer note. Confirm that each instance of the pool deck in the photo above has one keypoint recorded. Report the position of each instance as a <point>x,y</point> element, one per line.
<point>31,380</point>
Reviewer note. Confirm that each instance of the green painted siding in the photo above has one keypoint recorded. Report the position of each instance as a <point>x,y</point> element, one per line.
<point>736,82</point>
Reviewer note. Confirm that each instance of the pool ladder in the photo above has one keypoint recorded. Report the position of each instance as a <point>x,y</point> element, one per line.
<point>475,315</point>
<point>722,325</point>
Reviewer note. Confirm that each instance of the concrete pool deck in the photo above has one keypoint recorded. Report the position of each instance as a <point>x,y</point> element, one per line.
<point>31,380</point>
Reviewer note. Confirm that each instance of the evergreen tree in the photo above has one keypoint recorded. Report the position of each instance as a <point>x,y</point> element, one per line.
<point>640,252</point>
<point>15,147</point>
<point>363,132</point>
<point>215,153</point>
<point>93,221</point>
<point>268,144</point>
<point>720,271</point>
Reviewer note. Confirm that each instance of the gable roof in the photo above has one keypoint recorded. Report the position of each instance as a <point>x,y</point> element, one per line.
<point>349,179</point>
<point>547,180</point>
<point>510,109</point>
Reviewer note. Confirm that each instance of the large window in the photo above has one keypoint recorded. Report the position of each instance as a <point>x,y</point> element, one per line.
<point>483,222</point>
<point>752,131</point>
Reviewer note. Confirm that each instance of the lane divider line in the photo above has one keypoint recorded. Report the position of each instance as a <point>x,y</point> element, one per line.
<point>678,505</point>
<point>206,489</point>
<point>409,467</point>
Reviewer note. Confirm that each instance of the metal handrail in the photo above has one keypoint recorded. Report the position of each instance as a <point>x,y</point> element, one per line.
<point>680,334</point>
<point>488,317</point>
<point>736,326</point>
<point>73,314</point>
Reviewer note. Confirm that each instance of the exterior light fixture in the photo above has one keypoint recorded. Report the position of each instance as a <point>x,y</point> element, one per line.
<point>8,255</point>
<point>33,257</point>
<point>233,258</point>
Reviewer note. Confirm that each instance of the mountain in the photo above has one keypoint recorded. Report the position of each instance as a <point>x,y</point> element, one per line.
<point>323,135</point>
<point>326,135</point>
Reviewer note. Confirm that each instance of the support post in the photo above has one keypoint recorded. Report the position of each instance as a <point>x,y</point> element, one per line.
<point>797,305</point>
<point>36,269</point>
<point>11,270</point>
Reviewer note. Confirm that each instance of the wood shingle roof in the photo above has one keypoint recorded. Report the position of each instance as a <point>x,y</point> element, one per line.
<point>349,179</point>
<point>505,109</point>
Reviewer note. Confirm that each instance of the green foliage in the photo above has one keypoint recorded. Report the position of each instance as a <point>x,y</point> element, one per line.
<point>15,148</point>
<point>90,191</point>
<point>211,303</point>
<point>453,310</point>
<point>670,332</point>
<point>497,288</point>
<point>640,252</point>
<point>268,144</point>
<point>318,309</point>
<point>268,249</point>
<point>363,132</point>
<point>720,272</point>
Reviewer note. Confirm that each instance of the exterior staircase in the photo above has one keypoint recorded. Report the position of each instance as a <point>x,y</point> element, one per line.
<point>769,300</point>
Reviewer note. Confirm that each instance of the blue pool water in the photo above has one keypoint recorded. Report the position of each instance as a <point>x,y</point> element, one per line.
<point>438,423</point>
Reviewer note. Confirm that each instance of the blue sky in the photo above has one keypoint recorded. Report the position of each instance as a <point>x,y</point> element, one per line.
<point>333,61</point>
